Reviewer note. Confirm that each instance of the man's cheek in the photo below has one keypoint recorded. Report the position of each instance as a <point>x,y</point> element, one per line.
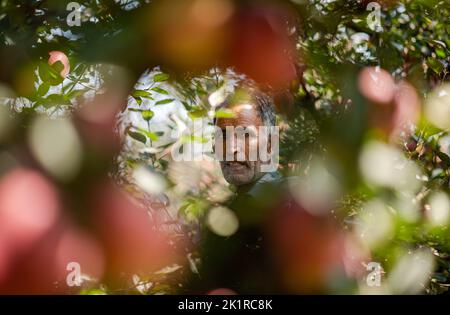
<point>229,170</point>
<point>252,153</point>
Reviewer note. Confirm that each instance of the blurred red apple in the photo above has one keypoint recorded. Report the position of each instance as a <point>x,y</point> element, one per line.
<point>29,207</point>
<point>32,271</point>
<point>5,258</point>
<point>222,291</point>
<point>310,250</point>
<point>377,85</point>
<point>261,47</point>
<point>407,108</point>
<point>56,56</point>
<point>354,255</point>
<point>43,268</point>
<point>401,102</point>
<point>75,246</point>
<point>97,119</point>
<point>190,34</point>
<point>133,242</point>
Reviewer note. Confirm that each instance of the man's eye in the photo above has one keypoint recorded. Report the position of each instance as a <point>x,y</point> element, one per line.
<point>250,134</point>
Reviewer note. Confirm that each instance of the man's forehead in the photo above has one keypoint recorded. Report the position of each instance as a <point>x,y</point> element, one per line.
<point>246,112</point>
<point>243,107</point>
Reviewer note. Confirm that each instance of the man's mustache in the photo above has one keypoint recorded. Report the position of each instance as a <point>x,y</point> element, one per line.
<point>234,163</point>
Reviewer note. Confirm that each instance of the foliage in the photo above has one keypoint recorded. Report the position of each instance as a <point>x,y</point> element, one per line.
<point>327,114</point>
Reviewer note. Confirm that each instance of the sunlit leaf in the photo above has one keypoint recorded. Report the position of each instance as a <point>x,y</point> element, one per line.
<point>223,113</point>
<point>160,90</point>
<point>161,77</point>
<point>151,135</point>
<point>445,158</point>
<point>164,102</point>
<point>147,115</point>
<point>137,136</point>
<point>198,114</point>
<point>142,93</point>
<point>43,88</point>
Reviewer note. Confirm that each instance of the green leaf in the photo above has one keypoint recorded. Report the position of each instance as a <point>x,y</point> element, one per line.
<point>200,90</point>
<point>43,88</point>
<point>435,65</point>
<point>55,79</point>
<point>164,102</point>
<point>193,208</point>
<point>445,158</point>
<point>198,114</point>
<point>44,72</point>
<point>57,67</point>
<point>163,163</point>
<point>74,93</point>
<point>160,90</point>
<point>151,135</point>
<point>142,93</point>
<point>147,115</point>
<point>440,52</point>
<point>92,292</point>
<point>55,73</point>
<point>188,139</point>
<point>50,74</point>
<point>224,113</point>
<point>161,77</point>
<point>137,136</point>
<point>186,105</point>
<point>55,99</point>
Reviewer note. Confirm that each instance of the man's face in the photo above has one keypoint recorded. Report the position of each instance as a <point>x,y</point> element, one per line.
<point>245,116</point>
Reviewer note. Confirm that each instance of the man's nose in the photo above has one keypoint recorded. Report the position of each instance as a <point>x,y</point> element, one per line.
<point>235,145</point>
<point>239,147</point>
<point>232,147</point>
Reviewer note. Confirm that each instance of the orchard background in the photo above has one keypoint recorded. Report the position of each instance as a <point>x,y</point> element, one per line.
<point>96,94</point>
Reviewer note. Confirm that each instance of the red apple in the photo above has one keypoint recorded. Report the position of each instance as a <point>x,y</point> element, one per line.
<point>29,207</point>
<point>354,256</point>
<point>33,270</point>
<point>310,249</point>
<point>43,268</point>
<point>407,108</point>
<point>191,34</point>
<point>377,85</point>
<point>56,56</point>
<point>5,258</point>
<point>133,242</point>
<point>76,246</point>
<point>261,47</point>
<point>96,121</point>
<point>222,291</point>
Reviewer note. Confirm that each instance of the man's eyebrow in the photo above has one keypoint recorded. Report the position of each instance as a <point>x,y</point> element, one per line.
<point>223,130</point>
